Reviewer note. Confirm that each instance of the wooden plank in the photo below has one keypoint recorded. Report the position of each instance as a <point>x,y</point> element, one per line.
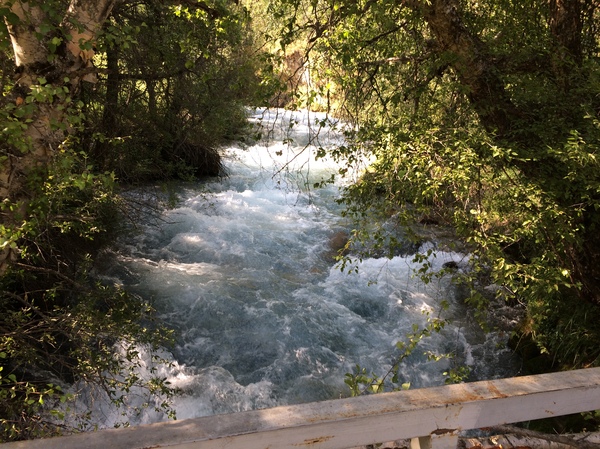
<point>344,423</point>
<point>444,440</point>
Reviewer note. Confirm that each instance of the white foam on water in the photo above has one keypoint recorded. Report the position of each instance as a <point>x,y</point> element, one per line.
<point>263,317</point>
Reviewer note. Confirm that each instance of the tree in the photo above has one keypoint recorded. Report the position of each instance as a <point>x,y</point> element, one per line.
<point>57,325</point>
<point>95,97</point>
<point>171,96</point>
<point>483,116</point>
<point>53,50</point>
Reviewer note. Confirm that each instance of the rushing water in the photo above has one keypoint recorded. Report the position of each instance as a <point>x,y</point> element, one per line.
<point>242,270</point>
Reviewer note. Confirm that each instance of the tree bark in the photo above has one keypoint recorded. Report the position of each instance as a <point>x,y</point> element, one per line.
<point>565,23</point>
<point>476,70</point>
<point>113,82</point>
<point>45,125</point>
<point>472,64</point>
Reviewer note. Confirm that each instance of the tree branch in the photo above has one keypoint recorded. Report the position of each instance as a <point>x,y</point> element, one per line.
<point>194,4</point>
<point>473,65</point>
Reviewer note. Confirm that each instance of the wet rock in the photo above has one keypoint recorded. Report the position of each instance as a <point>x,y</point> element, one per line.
<point>452,265</point>
<point>337,245</point>
<point>338,242</point>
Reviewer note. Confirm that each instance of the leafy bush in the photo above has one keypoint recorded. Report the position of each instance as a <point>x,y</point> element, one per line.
<point>57,325</point>
<point>178,79</point>
<point>482,117</point>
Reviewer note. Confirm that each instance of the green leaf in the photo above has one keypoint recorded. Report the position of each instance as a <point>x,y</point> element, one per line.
<point>12,18</point>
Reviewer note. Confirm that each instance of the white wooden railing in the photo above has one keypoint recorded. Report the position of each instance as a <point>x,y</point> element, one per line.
<point>431,417</point>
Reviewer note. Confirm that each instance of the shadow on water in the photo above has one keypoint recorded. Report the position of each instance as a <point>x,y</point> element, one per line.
<point>246,276</point>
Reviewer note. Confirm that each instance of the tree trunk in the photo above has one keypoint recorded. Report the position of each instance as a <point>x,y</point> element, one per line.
<point>485,87</point>
<point>58,58</point>
<point>565,24</point>
<point>473,65</point>
<point>113,84</point>
<point>514,125</point>
<point>103,151</point>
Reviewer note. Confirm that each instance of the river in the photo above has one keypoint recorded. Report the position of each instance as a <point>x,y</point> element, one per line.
<point>241,268</point>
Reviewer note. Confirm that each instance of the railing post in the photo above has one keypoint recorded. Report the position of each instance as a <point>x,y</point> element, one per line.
<point>446,439</point>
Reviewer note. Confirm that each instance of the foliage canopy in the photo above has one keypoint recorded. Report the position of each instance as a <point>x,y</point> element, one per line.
<point>483,116</point>
<point>480,116</point>
<point>97,94</point>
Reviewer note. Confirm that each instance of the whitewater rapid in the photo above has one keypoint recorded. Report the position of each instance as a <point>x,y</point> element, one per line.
<point>241,269</point>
